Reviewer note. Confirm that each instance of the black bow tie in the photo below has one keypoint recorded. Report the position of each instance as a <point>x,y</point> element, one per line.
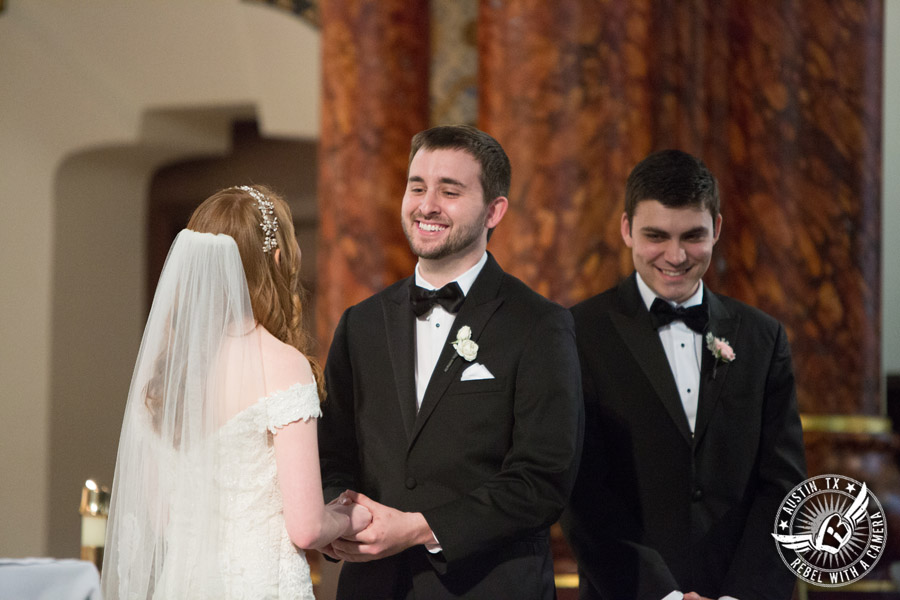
<point>662,313</point>
<point>450,297</point>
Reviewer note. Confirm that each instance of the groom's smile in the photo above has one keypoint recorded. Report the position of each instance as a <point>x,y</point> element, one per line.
<point>443,211</point>
<point>430,226</point>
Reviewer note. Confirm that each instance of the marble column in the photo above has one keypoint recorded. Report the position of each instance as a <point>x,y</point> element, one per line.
<point>802,181</point>
<point>782,100</point>
<point>563,86</point>
<point>375,57</point>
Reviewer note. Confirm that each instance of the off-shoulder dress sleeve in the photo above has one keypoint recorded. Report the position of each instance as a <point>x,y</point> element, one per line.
<point>300,401</point>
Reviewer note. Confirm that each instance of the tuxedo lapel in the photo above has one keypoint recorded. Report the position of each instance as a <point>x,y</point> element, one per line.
<point>633,324</point>
<point>712,376</point>
<point>399,320</point>
<point>480,304</point>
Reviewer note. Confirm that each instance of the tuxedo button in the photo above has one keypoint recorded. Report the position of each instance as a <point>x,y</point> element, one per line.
<point>697,495</point>
<point>410,483</point>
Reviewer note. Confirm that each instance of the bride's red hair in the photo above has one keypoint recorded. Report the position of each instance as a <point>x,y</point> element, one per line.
<point>276,292</point>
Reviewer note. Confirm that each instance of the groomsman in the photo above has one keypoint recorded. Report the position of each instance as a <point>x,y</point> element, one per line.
<point>454,409</point>
<point>692,437</point>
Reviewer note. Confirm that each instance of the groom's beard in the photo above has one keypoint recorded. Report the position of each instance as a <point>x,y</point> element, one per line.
<point>461,237</point>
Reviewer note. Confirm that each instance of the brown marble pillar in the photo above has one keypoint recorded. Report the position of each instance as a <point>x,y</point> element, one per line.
<point>563,86</point>
<point>802,182</point>
<point>782,100</point>
<point>375,57</point>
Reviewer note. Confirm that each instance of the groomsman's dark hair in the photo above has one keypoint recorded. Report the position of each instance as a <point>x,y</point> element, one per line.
<point>495,168</point>
<point>676,179</point>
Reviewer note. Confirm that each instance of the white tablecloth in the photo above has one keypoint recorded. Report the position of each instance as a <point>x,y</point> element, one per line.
<point>48,579</point>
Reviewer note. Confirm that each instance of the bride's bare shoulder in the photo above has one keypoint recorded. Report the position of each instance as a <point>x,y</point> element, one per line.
<point>284,364</point>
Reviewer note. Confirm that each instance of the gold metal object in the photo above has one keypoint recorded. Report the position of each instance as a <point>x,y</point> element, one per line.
<point>846,424</point>
<point>94,499</point>
<point>568,581</point>
<point>94,510</point>
<point>870,586</point>
<point>93,554</point>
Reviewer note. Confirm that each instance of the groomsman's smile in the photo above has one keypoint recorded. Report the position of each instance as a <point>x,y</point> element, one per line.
<point>671,247</point>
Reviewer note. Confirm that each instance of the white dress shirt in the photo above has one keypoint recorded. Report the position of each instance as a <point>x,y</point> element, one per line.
<point>432,329</point>
<point>431,333</point>
<point>683,348</point>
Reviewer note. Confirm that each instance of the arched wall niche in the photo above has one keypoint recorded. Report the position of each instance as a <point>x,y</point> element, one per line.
<point>287,166</point>
<point>98,299</point>
<point>97,106</point>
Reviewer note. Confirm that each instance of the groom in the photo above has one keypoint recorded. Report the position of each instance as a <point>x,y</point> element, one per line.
<point>454,403</point>
<point>692,437</point>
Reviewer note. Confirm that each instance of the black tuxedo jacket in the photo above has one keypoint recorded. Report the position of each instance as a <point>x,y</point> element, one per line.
<point>490,463</point>
<point>656,509</point>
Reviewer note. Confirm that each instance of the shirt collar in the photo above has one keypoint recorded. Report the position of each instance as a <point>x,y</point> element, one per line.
<point>648,295</point>
<point>465,280</point>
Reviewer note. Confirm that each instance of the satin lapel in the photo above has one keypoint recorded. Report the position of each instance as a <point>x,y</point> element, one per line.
<point>401,343</point>
<point>712,376</point>
<point>633,325</point>
<point>480,304</point>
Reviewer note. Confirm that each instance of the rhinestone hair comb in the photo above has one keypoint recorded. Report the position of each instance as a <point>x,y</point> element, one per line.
<point>269,222</point>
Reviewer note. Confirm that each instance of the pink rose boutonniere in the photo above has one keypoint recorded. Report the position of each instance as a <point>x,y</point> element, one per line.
<point>720,349</point>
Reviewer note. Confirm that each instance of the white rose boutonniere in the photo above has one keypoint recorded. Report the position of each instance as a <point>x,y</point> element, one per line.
<point>464,345</point>
<point>720,349</point>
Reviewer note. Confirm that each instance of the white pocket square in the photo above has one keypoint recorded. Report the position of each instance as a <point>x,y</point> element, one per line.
<point>476,371</point>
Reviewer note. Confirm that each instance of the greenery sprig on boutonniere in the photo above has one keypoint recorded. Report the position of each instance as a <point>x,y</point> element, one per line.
<point>721,350</point>
<point>464,345</point>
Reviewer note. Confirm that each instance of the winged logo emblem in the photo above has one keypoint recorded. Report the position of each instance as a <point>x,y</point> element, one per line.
<point>834,531</point>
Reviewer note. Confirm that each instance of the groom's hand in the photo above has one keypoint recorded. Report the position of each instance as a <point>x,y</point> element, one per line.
<point>359,515</point>
<point>391,531</point>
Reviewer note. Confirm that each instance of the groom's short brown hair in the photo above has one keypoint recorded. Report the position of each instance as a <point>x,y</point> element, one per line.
<point>495,168</point>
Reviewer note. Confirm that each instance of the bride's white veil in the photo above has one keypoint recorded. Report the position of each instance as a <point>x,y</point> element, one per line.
<point>199,364</point>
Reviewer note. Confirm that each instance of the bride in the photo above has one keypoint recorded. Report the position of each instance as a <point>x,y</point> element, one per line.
<point>217,484</point>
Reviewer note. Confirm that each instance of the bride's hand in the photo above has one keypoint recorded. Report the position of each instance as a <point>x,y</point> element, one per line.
<point>360,517</point>
<point>342,499</point>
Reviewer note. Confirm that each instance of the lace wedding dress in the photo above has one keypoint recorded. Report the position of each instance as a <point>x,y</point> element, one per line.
<point>254,558</point>
<point>196,511</point>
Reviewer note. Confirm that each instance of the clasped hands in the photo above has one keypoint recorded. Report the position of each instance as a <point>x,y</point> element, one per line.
<point>376,531</point>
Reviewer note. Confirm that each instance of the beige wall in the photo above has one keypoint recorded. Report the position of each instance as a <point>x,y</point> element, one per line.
<point>95,96</point>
